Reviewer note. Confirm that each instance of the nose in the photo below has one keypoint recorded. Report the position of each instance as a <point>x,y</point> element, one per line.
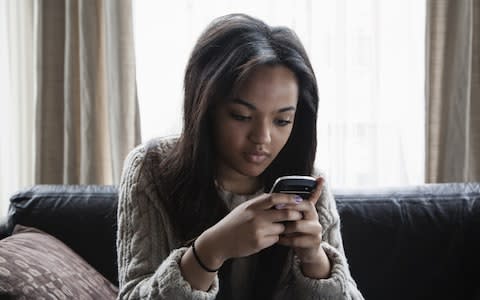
<point>260,133</point>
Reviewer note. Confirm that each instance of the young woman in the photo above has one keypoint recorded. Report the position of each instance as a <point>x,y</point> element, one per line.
<point>195,221</point>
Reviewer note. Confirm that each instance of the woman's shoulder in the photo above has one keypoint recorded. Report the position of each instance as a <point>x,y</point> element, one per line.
<point>159,146</point>
<point>146,157</point>
<point>155,149</point>
<point>317,172</point>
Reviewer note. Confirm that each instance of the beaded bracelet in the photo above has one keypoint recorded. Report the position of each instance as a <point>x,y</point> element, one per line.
<point>200,262</point>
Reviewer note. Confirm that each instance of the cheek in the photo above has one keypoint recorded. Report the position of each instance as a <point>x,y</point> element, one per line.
<point>281,137</point>
<point>228,135</point>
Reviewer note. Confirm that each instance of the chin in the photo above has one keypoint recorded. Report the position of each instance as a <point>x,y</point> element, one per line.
<point>253,171</point>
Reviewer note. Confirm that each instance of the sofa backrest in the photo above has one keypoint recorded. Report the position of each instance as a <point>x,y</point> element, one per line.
<point>401,243</point>
<point>82,216</point>
<point>419,242</point>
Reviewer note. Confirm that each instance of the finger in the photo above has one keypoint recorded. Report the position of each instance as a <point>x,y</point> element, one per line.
<point>307,208</point>
<point>268,201</point>
<point>270,240</point>
<point>282,215</point>
<point>303,227</point>
<point>275,229</point>
<point>317,192</point>
<point>300,241</point>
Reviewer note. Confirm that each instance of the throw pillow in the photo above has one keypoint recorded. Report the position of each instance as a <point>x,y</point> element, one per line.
<point>36,265</point>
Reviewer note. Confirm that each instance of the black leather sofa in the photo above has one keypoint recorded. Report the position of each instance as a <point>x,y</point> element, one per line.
<point>419,242</point>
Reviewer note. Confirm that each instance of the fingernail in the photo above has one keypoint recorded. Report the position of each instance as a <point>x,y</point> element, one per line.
<point>280,206</point>
<point>298,199</point>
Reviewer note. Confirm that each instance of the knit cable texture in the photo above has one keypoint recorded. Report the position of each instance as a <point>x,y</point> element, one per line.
<point>149,256</point>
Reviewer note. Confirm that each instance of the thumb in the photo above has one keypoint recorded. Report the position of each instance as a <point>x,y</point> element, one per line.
<point>318,191</point>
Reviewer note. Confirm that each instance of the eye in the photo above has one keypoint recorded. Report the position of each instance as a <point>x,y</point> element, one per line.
<point>282,122</point>
<point>239,117</point>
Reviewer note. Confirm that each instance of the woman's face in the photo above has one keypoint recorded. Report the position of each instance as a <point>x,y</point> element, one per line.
<point>253,126</point>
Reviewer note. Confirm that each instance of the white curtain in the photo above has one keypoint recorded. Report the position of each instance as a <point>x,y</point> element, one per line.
<point>16,98</point>
<point>369,59</point>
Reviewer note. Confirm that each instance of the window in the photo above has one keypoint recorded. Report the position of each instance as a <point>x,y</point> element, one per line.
<point>16,98</point>
<point>368,57</point>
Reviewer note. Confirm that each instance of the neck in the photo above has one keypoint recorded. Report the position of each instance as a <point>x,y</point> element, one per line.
<point>242,186</point>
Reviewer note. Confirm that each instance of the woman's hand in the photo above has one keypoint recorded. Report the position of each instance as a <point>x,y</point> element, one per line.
<point>305,236</point>
<point>252,226</point>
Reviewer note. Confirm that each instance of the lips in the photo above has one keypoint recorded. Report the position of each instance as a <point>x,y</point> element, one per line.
<point>257,157</point>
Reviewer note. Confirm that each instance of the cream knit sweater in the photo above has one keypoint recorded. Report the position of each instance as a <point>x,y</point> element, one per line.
<point>149,257</point>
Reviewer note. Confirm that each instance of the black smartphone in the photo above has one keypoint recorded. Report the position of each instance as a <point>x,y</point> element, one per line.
<point>302,186</point>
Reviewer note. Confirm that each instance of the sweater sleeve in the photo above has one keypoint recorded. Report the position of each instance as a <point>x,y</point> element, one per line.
<point>340,284</point>
<point>148,266</point>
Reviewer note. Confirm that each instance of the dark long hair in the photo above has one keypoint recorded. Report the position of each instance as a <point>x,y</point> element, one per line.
<point>226,53</point>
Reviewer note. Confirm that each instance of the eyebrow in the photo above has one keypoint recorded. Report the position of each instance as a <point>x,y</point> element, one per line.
<point>253,107</point>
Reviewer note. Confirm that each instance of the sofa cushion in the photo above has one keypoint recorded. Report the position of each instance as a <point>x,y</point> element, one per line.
<point>39,266</point>
<point>84,217</point>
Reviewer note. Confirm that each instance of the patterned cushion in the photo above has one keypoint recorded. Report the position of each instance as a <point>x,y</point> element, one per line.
<point>36,265</point>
